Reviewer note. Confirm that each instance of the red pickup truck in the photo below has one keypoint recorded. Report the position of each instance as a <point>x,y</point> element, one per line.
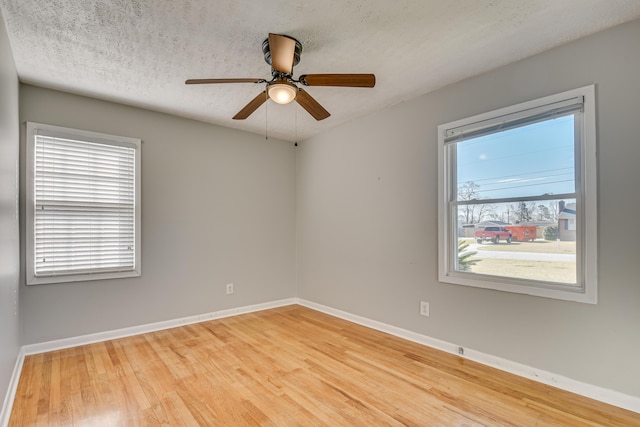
<point>495,234</point>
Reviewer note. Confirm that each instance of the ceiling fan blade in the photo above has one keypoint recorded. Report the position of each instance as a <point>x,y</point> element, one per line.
<point>312,106</point>
<point>251,106</point>
<point>282,50</point>
<point>344,80</point>
<point>207,81</point>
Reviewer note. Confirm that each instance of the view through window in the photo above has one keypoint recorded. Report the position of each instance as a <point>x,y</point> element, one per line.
<point>514,191</point>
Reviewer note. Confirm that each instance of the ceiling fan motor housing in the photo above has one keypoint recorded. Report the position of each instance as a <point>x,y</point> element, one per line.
<point>266,50</point>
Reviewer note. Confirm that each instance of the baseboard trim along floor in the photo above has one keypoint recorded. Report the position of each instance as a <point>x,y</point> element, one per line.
<point>608,396</point>
<point>149,327</point>
<point>11,392</point>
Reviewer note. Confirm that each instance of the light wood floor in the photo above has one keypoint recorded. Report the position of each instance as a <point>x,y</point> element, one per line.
<point>289,366</point>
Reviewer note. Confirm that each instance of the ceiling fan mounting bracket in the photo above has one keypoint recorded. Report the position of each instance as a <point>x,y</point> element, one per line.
<point>279,75</point>
<point>266,50</point>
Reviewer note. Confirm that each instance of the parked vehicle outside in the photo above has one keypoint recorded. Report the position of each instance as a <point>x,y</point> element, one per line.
<point>493,234</point>
<point>523,233</point>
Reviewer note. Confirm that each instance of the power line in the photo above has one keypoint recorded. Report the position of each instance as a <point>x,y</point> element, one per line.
<point>516,175</point>
<point>528,180</point>
<point>479,190</point>
<point>525,185</point>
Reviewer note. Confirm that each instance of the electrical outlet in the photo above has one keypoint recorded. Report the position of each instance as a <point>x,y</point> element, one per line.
<point>424,308</point>
<point>229,288</point>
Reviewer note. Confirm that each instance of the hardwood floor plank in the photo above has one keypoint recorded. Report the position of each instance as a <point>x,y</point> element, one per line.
<point>285,367</point>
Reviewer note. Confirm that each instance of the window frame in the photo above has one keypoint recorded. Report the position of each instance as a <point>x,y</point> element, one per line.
<point>87,136</point>
<point>585,153</point>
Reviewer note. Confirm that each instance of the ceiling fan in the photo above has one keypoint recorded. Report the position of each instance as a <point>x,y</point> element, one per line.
<point>283,53</point>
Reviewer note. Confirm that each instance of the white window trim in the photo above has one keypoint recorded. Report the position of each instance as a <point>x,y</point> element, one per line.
<point>586,190</point>
<point>31,130</point>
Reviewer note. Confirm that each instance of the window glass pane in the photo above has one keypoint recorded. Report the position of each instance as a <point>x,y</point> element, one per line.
<point>531,160</point>
<point>535,240</point>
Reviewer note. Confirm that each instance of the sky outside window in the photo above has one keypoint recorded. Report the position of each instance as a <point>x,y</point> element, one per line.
<point>527,161</point>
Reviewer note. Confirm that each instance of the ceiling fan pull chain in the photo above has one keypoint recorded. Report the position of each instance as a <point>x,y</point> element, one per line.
<point>266,116</point>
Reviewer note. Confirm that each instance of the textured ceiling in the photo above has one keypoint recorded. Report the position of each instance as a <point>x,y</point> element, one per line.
<point>139,52</point>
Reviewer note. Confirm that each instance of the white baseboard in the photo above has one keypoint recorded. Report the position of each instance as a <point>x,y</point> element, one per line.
<point>612,397</point>
<point>149,327</point>
<point>5,414</point>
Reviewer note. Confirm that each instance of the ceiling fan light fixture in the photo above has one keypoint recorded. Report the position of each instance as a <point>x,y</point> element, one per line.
<point>282,92</point>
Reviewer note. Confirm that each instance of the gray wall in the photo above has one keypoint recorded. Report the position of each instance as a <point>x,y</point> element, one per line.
<point>218,206</point>
<point>367,220</point>
<point>9,242</point>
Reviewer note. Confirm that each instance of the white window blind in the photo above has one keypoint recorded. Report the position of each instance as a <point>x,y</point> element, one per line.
<point>84,206</point>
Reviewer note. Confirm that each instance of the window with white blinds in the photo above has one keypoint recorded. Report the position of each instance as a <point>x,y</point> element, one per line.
<point>83,205</point>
